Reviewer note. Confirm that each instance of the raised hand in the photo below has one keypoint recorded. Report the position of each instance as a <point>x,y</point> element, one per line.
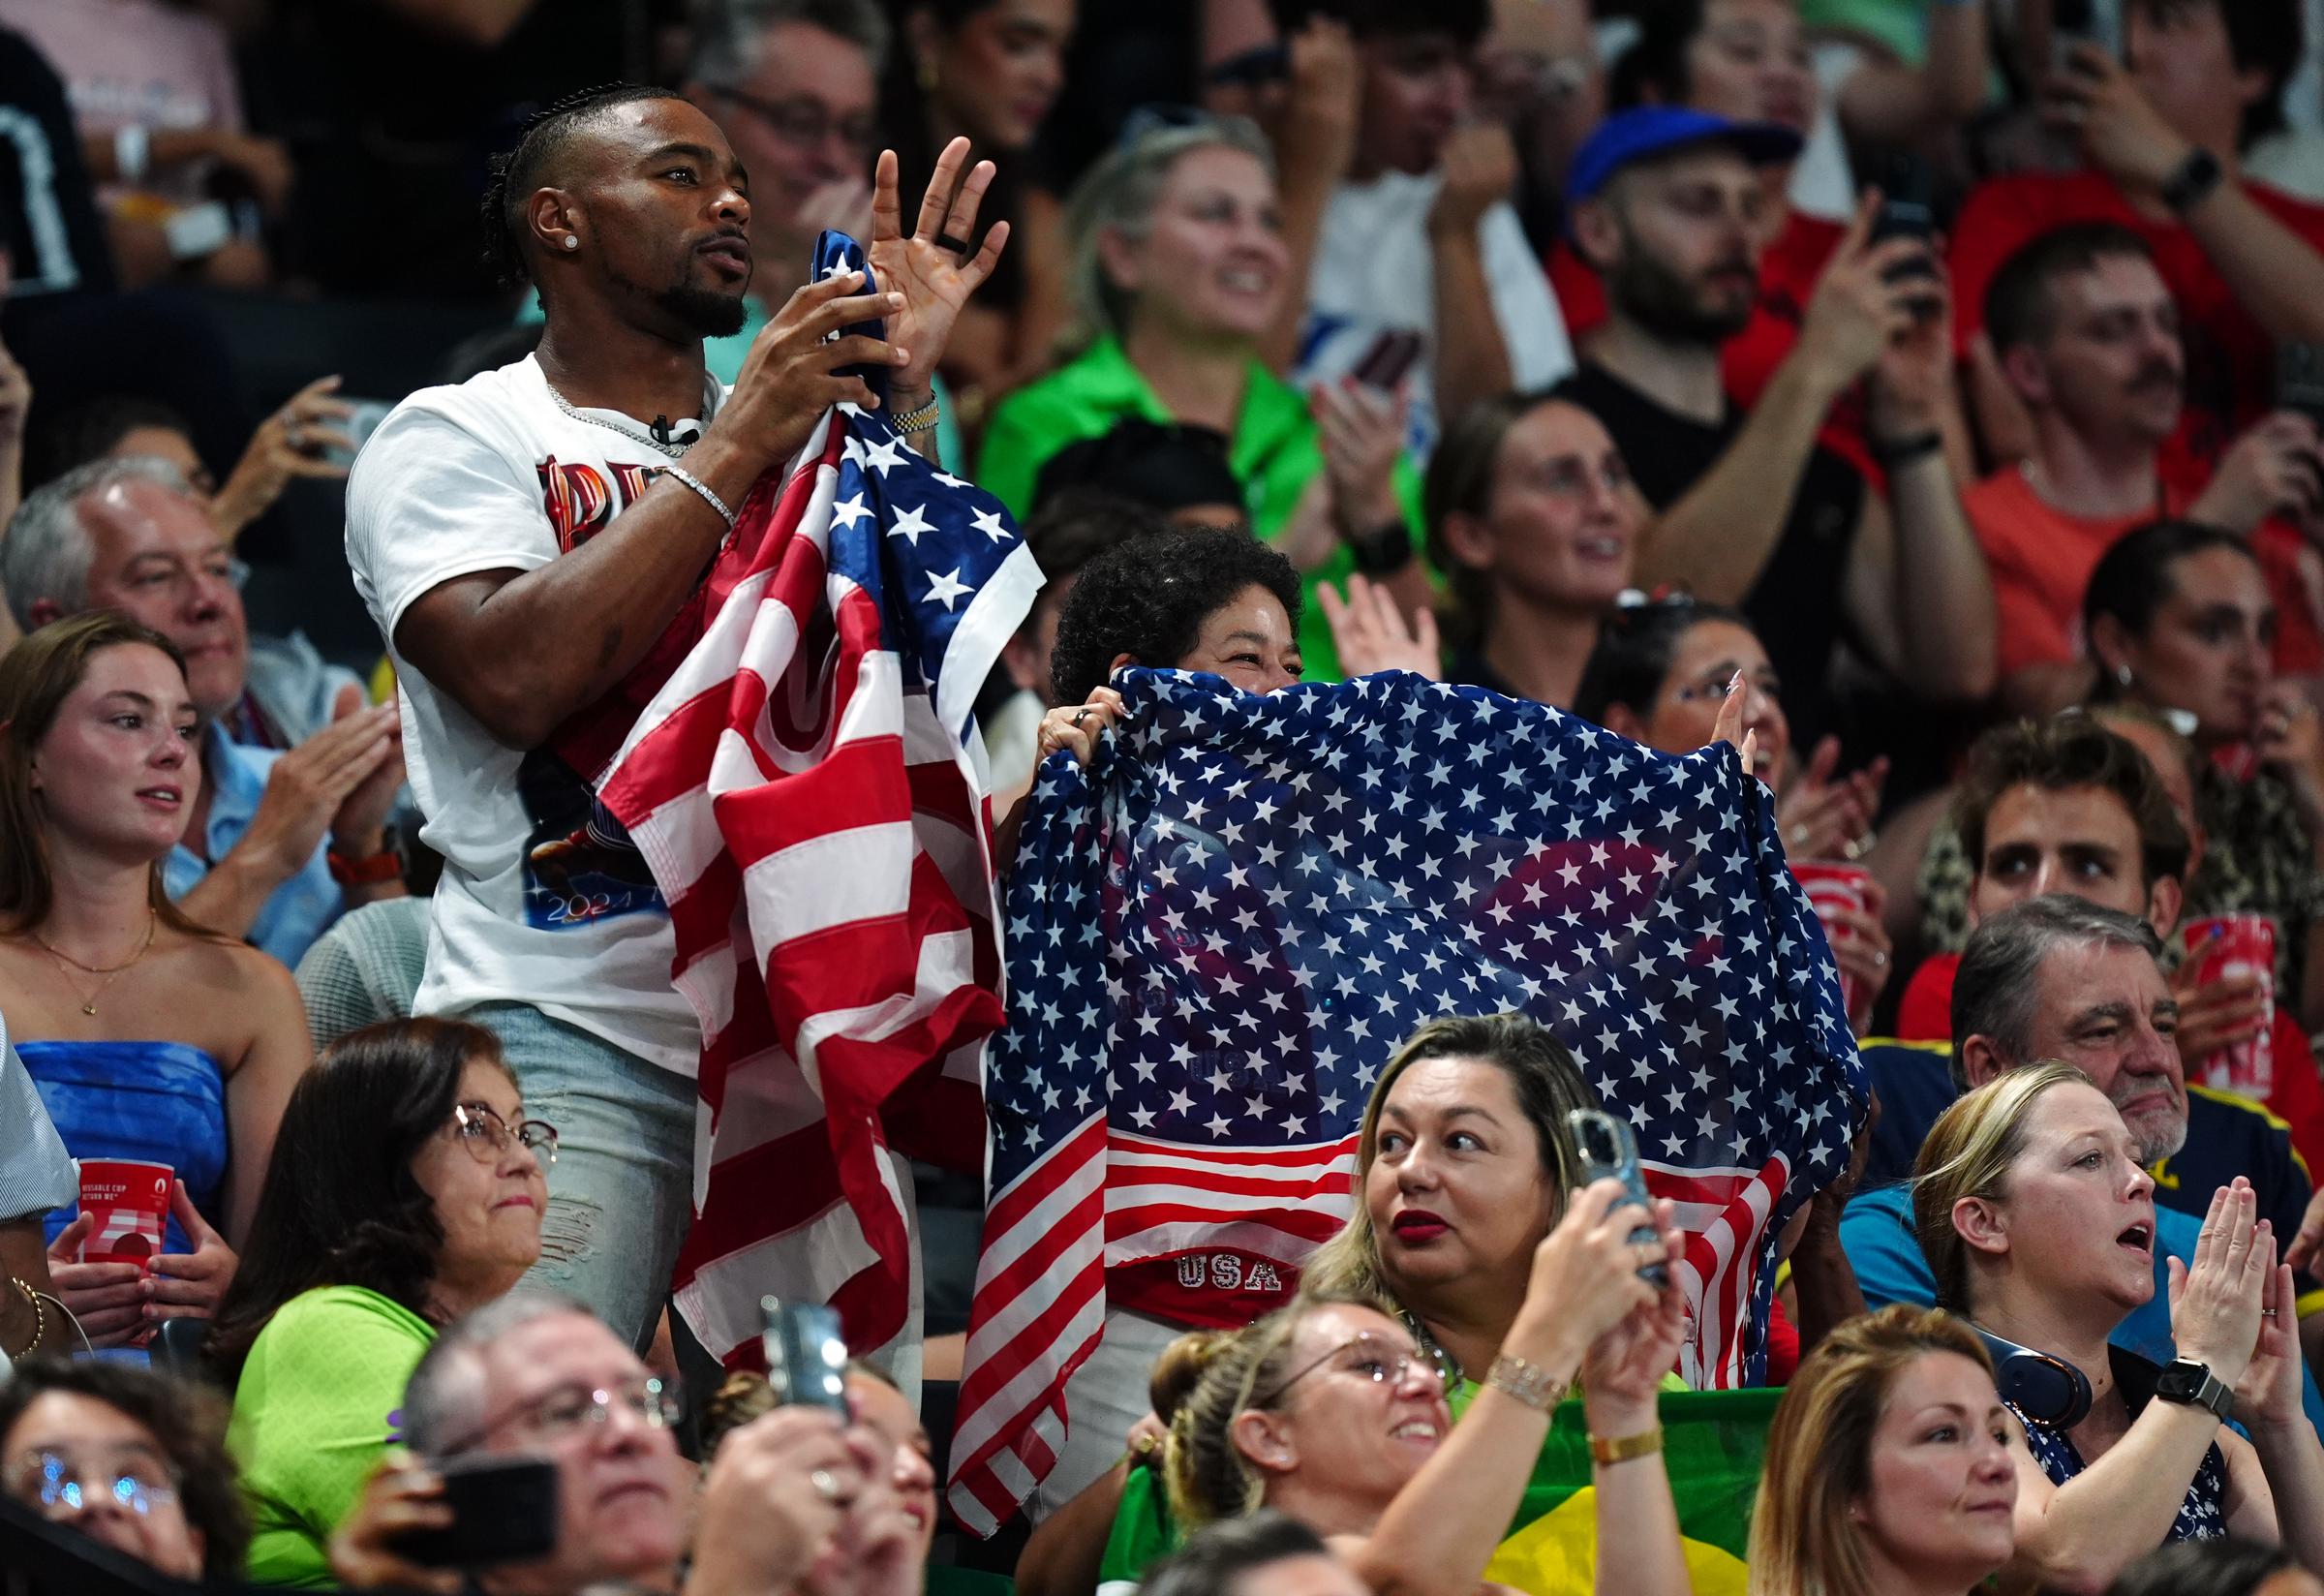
<point>1077,726</point>
<point>1857,311</point>
<point>1585,1277</point>
<point>1824,815</point>
<point>291,442</point>
<point>2216,1300</point>
<point>397,1498</point>
<point>1623,1372</point>
<point>2268,1396</point>
<point>795,370</point>
<point>2099,104</point>
<point>933,277</point>
<point>1369,630</point>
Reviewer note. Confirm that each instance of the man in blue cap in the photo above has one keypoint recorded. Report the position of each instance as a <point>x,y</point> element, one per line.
<point>1666,205</point>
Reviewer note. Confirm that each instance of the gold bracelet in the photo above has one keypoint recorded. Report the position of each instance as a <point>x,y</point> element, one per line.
<point>1528,1383</point>
<point>1623,1448</point>
<point>918,421</point>
<point>39,1320</point>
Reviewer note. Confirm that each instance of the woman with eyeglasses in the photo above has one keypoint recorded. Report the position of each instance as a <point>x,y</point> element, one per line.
<point>1179,270</point>
<point>128,1457</point>
<point>406,1190</point>
<point>1473,1269</point>
<point>1659,675</point>
<point>148,1037</point>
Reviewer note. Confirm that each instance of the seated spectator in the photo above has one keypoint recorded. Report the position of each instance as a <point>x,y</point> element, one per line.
<point>2086,334</point>
<point>1750,61</point>
<point>1659,675</point>
<point>2075,805</point>
<point>2224,1567</point>
<point>1180,268</point>
<point>158,108</point>
<point>149,1036</point>
<point>2033,1204</point>
<point>2057,978</point>
<point>1887,1464</point>
<point>1530,521</point>
<point>1420,239</point>
<point>127,1457</point>
<point>1264,1554</point>
<point>792,1500</point>
<point>990,70</point>
<point>1180,471</point>
<point>406,1190</point>
<point>1448,1238</point>
<point>2162,136</point>
<point>295,441</point>
<point>2179,622</point>
<point>36,1176</point>
<point>275,844</point>
<point>1749,509</point>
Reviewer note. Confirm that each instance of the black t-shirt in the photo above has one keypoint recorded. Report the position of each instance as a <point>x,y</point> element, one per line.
<point>1796,605</point>
<point>48,221</point>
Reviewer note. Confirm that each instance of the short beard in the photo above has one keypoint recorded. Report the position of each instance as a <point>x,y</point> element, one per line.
<point>2153,1147</point>
<point>704,311</point>
<point>1665,304</point>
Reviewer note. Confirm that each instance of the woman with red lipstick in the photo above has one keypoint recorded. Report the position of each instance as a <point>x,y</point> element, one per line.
<point>406,1190</point>
<point>2179,621</point>
<point>148,1037</point>
<point>2039,1223</point>
<point>1888,1470</point>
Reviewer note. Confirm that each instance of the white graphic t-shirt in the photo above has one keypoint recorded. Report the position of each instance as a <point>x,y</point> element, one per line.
<point>542,900</point>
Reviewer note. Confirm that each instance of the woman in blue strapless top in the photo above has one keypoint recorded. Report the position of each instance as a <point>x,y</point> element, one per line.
<point>148,1037</point>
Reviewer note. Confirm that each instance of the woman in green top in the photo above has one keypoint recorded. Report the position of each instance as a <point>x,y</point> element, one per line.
<point>1180,268</point>
<point>406,1188</point>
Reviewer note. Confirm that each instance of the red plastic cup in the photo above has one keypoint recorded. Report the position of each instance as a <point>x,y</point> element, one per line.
<point>130,1201</point>
<point>2220,948</point>
<point>1830,884</point>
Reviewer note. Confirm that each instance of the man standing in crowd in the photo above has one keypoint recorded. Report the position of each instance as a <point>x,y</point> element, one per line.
<point>531,545</point>
<point>277,845</point>
<point>2086,334</point>
<point>1751,511</point>
<point>1420,237</point>
<point>2162,134</point>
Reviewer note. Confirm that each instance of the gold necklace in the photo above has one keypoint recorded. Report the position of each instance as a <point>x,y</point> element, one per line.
<point>111,973</point>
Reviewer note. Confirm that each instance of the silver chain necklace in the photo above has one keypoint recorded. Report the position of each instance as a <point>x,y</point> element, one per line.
<point>640,436</point>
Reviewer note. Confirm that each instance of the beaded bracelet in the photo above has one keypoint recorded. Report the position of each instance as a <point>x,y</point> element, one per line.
<point>39,1320</point>
<point>1536,1387</point>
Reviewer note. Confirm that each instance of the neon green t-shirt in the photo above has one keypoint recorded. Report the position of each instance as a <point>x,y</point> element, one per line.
<point>312,1414</point>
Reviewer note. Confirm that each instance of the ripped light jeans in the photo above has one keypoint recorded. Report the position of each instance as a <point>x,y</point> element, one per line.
<point>621,1194</point>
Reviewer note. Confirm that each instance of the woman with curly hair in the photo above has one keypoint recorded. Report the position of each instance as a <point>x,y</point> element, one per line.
<point>126,1457</point>
<point>406,1190</point>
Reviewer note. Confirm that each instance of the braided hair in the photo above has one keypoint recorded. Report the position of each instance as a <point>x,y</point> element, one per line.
<point>518,174</point>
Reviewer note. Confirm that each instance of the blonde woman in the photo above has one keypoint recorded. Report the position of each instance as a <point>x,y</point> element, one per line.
<point>2039,1223</point>
<point>1888,1470</point>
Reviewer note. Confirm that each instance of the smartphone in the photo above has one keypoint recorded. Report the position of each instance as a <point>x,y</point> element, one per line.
<point>1391,354</point>
<point>2299,380</point>
<point>504,1511</point>
<point>1908,211</point>
<point>358,427</point>
<point>806,1356</point>
<point>1608,1149</point>
<point>2047,1390</point>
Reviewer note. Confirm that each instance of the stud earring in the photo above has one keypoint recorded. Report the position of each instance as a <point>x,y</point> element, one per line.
<point>571,242</point>
<point>2121,674</point>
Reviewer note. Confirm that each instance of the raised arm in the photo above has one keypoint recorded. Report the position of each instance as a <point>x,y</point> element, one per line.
<point>1472,362</point>
<point>1887,101</point>
<point>1639,1553</point>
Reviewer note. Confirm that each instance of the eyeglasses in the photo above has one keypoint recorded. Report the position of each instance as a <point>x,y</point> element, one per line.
<point>63,1485</point>
<point>486,1135</point>
<point>569,1409</point>
<point>1383,1361</point>
<point>807,122</point>
<point>1711,687</point>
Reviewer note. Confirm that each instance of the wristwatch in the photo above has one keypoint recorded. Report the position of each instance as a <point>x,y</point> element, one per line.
<point>2193,1385</point>
<point>1384,550</point>
<point>2191,184</point>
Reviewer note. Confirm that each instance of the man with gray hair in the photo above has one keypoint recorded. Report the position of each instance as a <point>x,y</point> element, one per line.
<point>276,844</point>
<point>536,1374</point>
<point>2059,977</point>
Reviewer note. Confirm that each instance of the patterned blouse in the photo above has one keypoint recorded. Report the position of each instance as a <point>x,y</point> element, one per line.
<point>2258,859</point>
<point>2202,1517</point>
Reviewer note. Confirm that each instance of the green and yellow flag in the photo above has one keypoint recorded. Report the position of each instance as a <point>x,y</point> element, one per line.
<point>1713,1443</point>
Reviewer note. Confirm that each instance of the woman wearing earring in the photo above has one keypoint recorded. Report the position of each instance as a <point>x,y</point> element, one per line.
<point>149,1038</point>
<point>2179,621</point>
<point>989,70</point>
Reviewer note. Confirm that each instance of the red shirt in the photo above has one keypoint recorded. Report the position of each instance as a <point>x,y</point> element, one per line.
<point>2230,358</point>
<point>1789,268</point>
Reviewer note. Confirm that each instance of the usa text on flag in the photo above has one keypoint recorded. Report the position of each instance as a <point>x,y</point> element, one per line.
<point>806,795</point>
<point>1218,935</point>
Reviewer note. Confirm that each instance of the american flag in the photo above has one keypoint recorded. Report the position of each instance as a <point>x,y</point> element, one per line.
<point>1219,933</point>
<point>808,795</point>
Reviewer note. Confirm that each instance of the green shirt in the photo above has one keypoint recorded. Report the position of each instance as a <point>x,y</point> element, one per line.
<point>311,1418</point>
<point>1275,453</point>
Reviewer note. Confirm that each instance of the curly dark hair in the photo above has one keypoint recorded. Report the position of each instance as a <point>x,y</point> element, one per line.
<point>532,165</point>
<point>339,1205</point>
<point>186,1421</point>
<point>1148,598</point>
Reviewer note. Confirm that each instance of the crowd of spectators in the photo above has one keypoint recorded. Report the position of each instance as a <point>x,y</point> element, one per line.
<point>1924,397</point>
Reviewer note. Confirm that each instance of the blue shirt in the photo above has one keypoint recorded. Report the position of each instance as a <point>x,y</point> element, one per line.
<point>300,909</point>
<point>1875,1232</point>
